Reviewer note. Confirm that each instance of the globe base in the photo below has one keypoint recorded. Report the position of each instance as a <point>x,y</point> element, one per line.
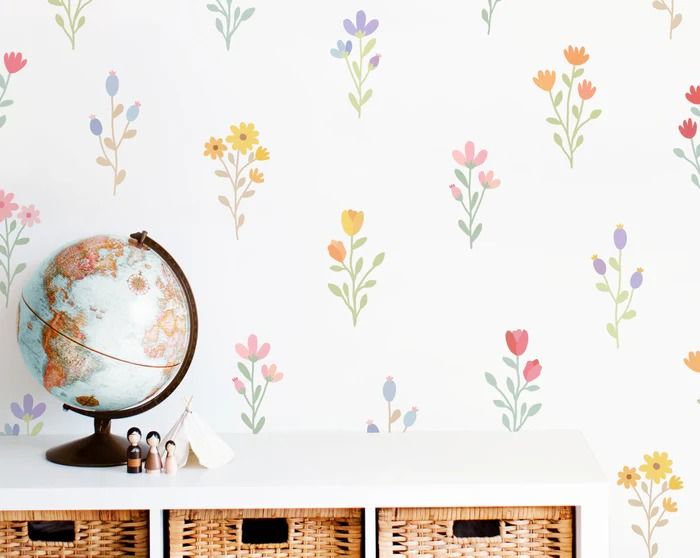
<point>101,449</point>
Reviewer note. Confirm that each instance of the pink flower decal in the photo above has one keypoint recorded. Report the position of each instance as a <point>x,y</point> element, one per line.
<point>29,216</point>
<point>252,352</point>
<point>270,373</point>
<point>467,158</point>
<point>13,64</point>
<point>12,228</point>
<point>532,370</point>
<point>471,202</point>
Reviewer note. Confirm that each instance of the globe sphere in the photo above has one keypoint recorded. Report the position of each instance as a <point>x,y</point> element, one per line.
<point>104,324</point>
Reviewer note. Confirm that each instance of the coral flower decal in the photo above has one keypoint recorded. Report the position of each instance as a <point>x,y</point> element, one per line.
<point>516,412</point>
<point>571,117</point>
<point>659,483</point>
<point>360,29</point>
<point>237,166</point>
<point>352,222</point>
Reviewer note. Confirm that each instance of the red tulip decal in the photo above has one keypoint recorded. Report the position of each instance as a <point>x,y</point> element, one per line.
<point>13,64</point>
<point>517,341</point>
<point>515,411</point>
<point>689,129</point>
<point>693,95</point>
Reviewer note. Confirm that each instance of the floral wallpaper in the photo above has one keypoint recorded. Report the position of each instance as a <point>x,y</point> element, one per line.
<point>295,159</point>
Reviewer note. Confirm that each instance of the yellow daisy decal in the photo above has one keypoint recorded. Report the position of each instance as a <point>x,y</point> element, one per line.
<point>243,137</point>
<point>676,483</point>
<point>262,154</point>
<point>657,466</point>
<point>214,148</point>
<point>628,477</point>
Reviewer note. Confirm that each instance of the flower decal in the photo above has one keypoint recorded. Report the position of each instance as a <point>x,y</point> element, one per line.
<point>359,71</point>
<point>237,167</point>
<point>688,129</point>
<point>648,494</point>
<point>570,119</point>
<point>15,222</point>
<point>253,394</point>
<point>517,412</point>
<point>469,159</point>
<point>393,415</point>
<point>229,19</point>
<point>615,288</point>
<point>14,62</point>
<point>111,143</point>
<point>28,412</point>
<point>351,291</point>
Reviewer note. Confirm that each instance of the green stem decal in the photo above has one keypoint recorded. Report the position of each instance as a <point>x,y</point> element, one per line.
<point>230,19</point>
<point>12,229</point>
<point>73,13</point>
<point>487,14</point>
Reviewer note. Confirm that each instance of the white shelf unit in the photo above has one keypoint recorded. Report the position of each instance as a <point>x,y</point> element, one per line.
<point>334,470</point>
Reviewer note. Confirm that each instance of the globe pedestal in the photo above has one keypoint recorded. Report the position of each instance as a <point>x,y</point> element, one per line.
<point>101,449</point>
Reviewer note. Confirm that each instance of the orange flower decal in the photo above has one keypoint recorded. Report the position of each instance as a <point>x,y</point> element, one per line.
<point>336,250</point>
<point>586,90</point>
<point>576,55</point>
<point>545,79</point>
<point>693,361</point>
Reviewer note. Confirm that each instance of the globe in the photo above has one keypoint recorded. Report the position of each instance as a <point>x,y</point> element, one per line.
<point>109,326</point>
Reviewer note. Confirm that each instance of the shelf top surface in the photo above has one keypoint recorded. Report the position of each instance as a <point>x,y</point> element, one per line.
<point>335,459</point>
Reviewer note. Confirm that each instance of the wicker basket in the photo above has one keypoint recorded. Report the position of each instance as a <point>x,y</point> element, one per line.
<point>94,533</point>
<point>312,533</point>
<point>522,532</point>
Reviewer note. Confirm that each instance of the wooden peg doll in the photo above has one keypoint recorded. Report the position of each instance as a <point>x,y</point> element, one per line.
<point>170,467</point>
<point>134,462</point>
<point>153,461</point>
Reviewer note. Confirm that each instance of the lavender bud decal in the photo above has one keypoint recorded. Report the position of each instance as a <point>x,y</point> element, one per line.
<point>112,84</point>
<point>132,113</point>
<point>393,415</point>
<point>622,299</point>
<point>95,125</point>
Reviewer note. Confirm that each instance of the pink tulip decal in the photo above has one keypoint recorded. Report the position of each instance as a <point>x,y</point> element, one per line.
<point>471,203</point>
<point>516,412</point>
<point>252,352</point>
<point>532,370</point>
<point>688,129</point>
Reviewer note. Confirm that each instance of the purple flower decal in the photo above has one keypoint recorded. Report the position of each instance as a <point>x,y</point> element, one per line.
<point>361,27</point>
<point>613,286</point>
<point>620,237</point>
<point>360,67</point>
<point>343,51</point>
<point>599,265</point>
<point>28,412</point>
<point>637,278</point>
<point>374,61</point>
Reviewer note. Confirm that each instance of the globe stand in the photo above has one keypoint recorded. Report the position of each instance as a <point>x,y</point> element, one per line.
<point>101,449</point>
<point>104,449</point>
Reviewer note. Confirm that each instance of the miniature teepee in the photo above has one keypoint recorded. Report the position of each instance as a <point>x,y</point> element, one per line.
<point>191,433</point>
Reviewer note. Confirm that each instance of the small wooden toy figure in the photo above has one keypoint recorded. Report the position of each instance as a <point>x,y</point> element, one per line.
<point>134,463</point>
<point>170,461</point>
<point>153,461</point>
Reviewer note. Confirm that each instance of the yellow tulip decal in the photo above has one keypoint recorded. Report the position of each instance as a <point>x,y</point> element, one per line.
<point>351,291</point>
<point>352,221</point>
